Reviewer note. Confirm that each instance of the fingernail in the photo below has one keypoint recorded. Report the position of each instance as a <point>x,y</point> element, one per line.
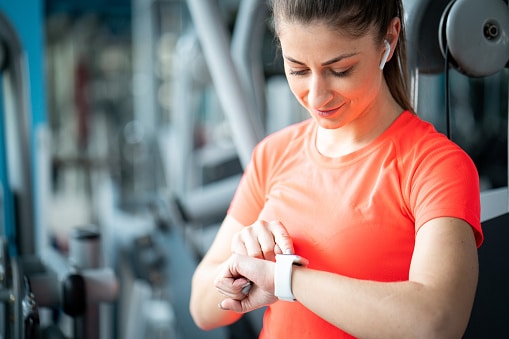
<point>246,288</point>
<point>221,307</point>
<point>288,251</point>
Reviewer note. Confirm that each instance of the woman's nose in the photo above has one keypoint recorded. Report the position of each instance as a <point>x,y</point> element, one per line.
<point>319,92</point>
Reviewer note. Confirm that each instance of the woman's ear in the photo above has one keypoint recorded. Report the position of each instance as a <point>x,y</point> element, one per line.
<point>392,36</point>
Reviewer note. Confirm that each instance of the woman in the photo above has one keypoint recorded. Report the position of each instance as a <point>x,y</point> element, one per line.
<point>385,209</point>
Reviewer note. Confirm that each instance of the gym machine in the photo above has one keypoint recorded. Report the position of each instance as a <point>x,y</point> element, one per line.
<point>35,279</point>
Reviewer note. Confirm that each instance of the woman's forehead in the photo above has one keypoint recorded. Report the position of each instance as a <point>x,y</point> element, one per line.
<point>317,34</point>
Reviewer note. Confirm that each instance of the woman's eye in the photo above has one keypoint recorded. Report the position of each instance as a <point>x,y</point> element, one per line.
<point>300,72</point>
<point>341,73</point>
<point>338,74</point>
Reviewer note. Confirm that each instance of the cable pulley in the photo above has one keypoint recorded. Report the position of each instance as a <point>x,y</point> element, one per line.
<point>476,34</point>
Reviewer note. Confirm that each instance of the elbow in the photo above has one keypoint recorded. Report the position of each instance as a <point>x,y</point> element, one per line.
<point>443,325</point>
<point>199,317</point>
<point>201,323</point>
<point>207,318</point>
<point>449,329</point>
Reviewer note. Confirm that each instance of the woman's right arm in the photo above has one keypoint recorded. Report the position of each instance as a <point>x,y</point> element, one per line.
<point>204,296</point>
<point>262,240</point>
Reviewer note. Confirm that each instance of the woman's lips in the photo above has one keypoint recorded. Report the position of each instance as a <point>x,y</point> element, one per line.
<point>327,113</point>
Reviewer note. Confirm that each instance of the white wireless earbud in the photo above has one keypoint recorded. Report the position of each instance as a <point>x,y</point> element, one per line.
<point>386,54</point>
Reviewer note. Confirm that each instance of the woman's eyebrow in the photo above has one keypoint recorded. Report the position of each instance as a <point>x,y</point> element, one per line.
<point>339,58</point>
<point>293,60</point>
<point>326,63</point>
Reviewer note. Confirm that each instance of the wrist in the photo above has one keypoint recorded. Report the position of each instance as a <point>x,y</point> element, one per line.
<point>283,275</point>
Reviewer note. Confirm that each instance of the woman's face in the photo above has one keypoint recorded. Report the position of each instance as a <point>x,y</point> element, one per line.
<point>335,77</point>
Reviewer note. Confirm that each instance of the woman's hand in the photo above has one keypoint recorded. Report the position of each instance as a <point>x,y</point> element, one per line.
<point>262,240</point>
<point>240,272</point>
<point>247,281</point>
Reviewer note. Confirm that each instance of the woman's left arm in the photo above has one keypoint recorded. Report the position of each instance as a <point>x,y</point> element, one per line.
<point>435,302</point>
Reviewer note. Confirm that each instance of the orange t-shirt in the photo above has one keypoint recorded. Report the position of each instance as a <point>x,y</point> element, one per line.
<point>355,215</point>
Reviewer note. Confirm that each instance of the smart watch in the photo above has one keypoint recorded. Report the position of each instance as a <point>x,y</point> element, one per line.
<point>283,275</point>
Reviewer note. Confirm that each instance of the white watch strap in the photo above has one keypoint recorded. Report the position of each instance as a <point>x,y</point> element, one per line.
<point>283,275</point>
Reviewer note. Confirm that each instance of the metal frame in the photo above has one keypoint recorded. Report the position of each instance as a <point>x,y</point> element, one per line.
<point>247,127</point>
<point>422,19</point>
<point>17,120</point>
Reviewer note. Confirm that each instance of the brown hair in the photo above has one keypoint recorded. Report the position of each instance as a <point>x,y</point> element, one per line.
<point>355,17</point>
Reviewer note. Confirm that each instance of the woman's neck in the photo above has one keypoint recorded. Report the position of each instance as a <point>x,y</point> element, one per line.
<point>357,134</point>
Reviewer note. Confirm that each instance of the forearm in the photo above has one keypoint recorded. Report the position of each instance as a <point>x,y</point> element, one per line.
<point>205,300</point>
<point>204,296</point>
<point>369,309</point>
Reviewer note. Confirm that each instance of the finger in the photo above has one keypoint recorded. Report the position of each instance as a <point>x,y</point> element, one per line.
<point>235,296</point>
<point>238,245</point>
<point>246,288</point>
<point>247,304</point>
<point>230,305</point>
<point>252,244</point>
<point>266,243</point>
<point>231,284</point>
<point>277,249</point>
<point>239,306</point>
<point>233,288</point>
<point>281,237</point>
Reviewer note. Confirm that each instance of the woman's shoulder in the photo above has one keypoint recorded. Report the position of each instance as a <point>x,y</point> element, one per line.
<point>415,134</point>
<point>422,148</point>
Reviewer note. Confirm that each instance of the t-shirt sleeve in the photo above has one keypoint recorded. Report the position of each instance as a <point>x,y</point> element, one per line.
<point>446,184</point>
